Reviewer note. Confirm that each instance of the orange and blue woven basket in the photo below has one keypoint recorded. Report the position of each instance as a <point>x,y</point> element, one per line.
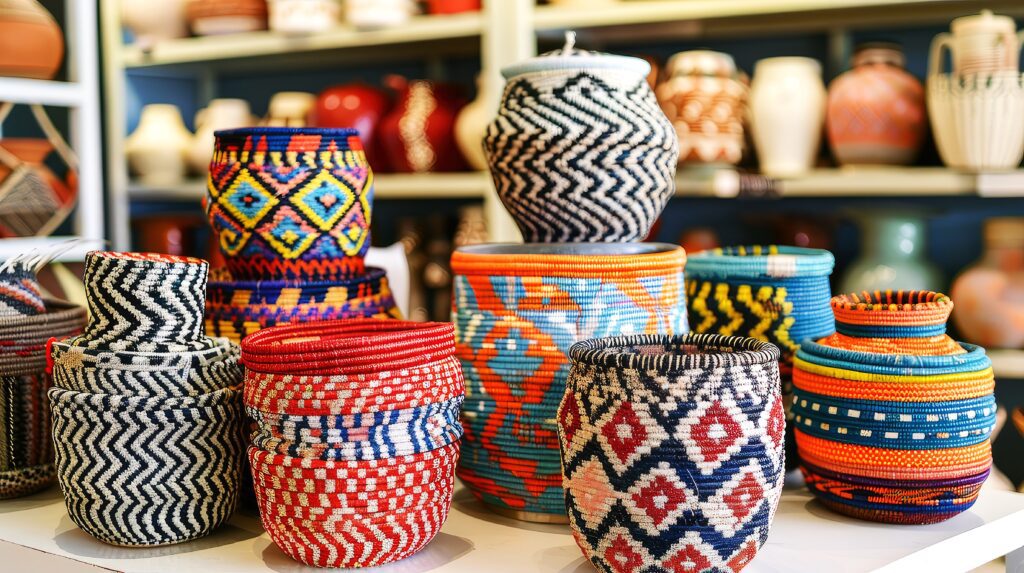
<point>892,416</point>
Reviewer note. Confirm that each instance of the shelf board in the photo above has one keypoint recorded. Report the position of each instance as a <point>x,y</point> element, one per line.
<point>386,186</point>
<point>26,91</point>
<point>21,245</point>
<point>233,47</point>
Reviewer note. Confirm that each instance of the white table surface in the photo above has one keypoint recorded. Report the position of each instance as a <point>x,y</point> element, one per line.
<point>805,537</point>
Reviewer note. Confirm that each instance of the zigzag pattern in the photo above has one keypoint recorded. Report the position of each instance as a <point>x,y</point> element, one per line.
<point>141,304</point>
<point>583,160</point>
<point>146,477</point>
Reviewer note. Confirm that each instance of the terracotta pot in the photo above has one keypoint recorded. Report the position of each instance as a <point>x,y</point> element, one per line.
<point>157,148</point>
<point>210,18</point>
<point>31,42</point>
<point>359,106</point>
<point>705,99</point>
<point>471,126</point>
<point>989,294</point>
<point>418,135</point>
<point>876,112</point>
<point>152,22</point>
<point>787,107</point>
<point>452,6</point>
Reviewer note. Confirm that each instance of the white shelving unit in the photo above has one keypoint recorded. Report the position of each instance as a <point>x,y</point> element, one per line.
<point>81,93</point>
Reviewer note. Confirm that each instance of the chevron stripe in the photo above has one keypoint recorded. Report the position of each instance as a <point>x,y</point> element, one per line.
<point>590,157</point>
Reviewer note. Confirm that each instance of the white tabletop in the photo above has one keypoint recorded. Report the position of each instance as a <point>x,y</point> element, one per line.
<point>805,537</point>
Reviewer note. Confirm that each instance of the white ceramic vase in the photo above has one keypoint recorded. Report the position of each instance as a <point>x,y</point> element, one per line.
<point>303,16</point>
<point>471,126</point>
<point>151,22</point>
<point>370,14</point>
<point>978,119</point>
<point>289,109</point>
<point>219,114</point>
<point>157,148</point>
<point>787,108</point>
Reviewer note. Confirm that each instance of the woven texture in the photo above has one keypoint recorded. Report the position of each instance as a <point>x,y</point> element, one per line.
<point>673,450</point>
<point>893,417</point>
<point>290,203</point>
<point>356,436</point>
<point>516,314</point>
<point>146,410</point>
<point>582,154</point>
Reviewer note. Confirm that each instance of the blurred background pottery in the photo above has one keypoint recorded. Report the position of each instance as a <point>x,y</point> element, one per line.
<point>303,16</point>
<point>152,22</point>
<point>289,109</point>
<point>369,14</point>
<point>876,113</point>
<point>224,113</point>
<point>787,107</point>
<point>33,200</point>
<point>31,42</point>
<point>452,6</point>
<point>980,44</point>
<point>418,135</point>
<point>471,125</point>
<point>158,146</point>
<point>978,120</point>
<point>892,255</point>
<point>359,106</point>
<point>989,294</point>
<point>218,17</point>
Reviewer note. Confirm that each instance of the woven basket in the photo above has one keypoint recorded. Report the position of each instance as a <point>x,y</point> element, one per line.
<point>672,449</point>
<point>893,417</point>
<point>518,309</point>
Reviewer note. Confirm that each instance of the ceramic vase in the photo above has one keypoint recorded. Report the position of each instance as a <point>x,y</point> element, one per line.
<point>289,109</point>
<point>876,113</point>
<point>706,100</point>
<point>219,114</point>
<point>787,108</point>
<point>31,41</point>
<point>152,22</point>
<point>978,120</point>
<point>359,106</point>
<point>214,18</point>
<point>452,6</point>
<point>984,43</point>
<point>418,135</point>
<point>892,255</point>
<point>159,145</point>
<point>989,294</point>
<point>370,14</point>
<point>600,167</point>
<point>303,16</point>
<point>471,126</point>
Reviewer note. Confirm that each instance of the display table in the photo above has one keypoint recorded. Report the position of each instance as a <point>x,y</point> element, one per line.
<point>805,537</point>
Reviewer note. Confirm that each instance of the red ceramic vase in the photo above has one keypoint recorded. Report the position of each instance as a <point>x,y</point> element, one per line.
<point>359,106</point>
<point>418,135</point>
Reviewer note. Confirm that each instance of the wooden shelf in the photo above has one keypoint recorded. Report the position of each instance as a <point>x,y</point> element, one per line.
<point>233,47</point>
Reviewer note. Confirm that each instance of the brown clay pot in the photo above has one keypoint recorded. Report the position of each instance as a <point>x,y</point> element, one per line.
<point>31,42</point>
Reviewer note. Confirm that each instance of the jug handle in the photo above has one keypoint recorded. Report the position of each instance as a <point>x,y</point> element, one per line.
<point>1020,44</point>
<point>943,40</point>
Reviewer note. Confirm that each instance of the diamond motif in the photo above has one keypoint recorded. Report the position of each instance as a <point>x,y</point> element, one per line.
<point>231,236</point>
<point>773,422</point>
<point>246,200</point>
<point>289,234</point>
<point>658,499</point>
<point>352,233</point>
<point>324,199</point>
<point>713,432</point>
<point>594,493</point>
<point>693,556</point>
<point>622,554</point>
<point>740,498</point>
<point>283,180</point>
<point>624,436</point>
<point>743,557</point>
<point>569,419</point>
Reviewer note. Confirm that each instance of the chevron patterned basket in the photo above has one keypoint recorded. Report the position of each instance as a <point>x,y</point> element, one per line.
<point>599,166</point>
<point>290,203</point>
<point>357,433</point>
<point>673,450</point>
<point>518,309</point>
<point>893,418</point>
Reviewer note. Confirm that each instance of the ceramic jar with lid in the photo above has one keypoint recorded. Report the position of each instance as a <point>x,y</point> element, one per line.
<point>31,42</point>
<point>876,112</point>
<point>158,147</point>
<point>787,108</point>
<point>600,167</point>
<point>990,293</point>
<point>980,44</point>
<point>705,98</point>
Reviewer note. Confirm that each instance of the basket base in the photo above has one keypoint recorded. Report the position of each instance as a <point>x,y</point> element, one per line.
<point>530,516</point>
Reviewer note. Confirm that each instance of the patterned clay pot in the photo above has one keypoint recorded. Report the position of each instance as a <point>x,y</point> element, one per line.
<point>31,42</point>
<point>600,167</point>
<point>787,108</point>
<point>672,449</point>
<point>213,18</point>
<point>418,135</point>
<point>359,106</point>
<point>876,113</point>
<point>989,295</point>
<point>705,99</point>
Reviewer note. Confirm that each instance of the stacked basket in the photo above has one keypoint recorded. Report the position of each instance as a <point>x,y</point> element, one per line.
<point>291,211</point>
<point>357,436</point>
<point>27,321</point>
<point>147,411</point>
<point>893,418</point>
<point>773,293</point>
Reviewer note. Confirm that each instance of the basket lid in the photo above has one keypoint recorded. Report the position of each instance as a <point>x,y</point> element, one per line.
<point>572,58</point>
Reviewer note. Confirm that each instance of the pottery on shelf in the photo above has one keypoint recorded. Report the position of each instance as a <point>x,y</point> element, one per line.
<point>980,44</point>
<point>892,255</point>
<point>876,113</point>
<point>289,109</point>
<point>31,41</point>
<point>214,18</point>
<point>452,6</point>
<point>787,107</point>
<point>418,135</point>
<point>705,98</point>
<point>220,114</point>
<point>370,14</point>
<point>600,166</point>
<point>989,294</point>
<point>303,16</point>
<point>158,147</point>
<point>153,22</point>
<point>471,126</point>
<point>356,105</point>
<point>978,120</point>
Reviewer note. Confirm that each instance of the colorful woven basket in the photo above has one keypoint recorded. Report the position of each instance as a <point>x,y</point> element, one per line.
<point>673,450</point>
<point>291,203</point>
<point>518,309</point>
<point>357,433</point>
<point>778,294</point>
<point>893,418</point>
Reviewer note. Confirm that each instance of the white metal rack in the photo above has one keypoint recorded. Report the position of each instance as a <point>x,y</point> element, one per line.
<point>81,93</point>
